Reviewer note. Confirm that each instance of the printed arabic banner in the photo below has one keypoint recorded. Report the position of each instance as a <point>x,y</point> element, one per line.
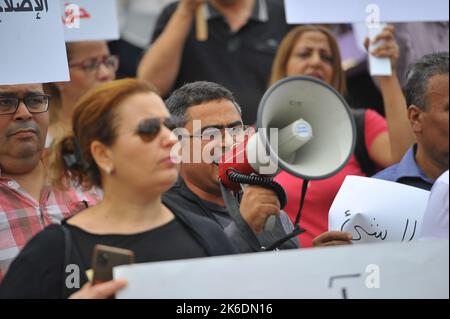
<point>32,42</point>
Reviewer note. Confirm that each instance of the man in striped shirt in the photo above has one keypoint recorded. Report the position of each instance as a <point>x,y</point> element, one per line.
<point>27,202</point>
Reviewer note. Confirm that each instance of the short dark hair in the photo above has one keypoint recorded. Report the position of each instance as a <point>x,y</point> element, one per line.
<point>419,74</point>
<point>197,93</point>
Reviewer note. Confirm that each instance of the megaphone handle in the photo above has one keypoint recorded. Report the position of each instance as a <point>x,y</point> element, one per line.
<point>271,220</point>
<point>233,208</point>
<point>270,223</point>
<point>297,230</point>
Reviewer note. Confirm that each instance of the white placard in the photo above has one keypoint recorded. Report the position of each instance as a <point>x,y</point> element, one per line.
<point>88,20</point>
<point>378,66</point>
<point>32,42</point>
<point>375,210</point>
<point>361,11</point>
<point>389,270</point>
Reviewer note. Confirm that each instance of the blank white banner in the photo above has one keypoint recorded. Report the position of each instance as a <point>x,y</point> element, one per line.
<point>390,270</point>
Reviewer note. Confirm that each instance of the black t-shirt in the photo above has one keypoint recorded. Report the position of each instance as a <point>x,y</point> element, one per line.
<point>38,271</point>
<point>168,242</point>
<point>240,61</point>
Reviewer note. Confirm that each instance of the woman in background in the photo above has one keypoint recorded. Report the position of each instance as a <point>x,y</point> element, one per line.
<point>90,64</point>
<point>313,51</point>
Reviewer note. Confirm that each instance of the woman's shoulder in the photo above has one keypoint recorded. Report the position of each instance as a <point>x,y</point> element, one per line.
<point>44,248</point>
<point>372,115</point>
<point>36,271</point>
<point>45,243</point>
<point>374,125</point>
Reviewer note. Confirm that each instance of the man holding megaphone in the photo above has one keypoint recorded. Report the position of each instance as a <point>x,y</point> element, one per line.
<point>205,107</point>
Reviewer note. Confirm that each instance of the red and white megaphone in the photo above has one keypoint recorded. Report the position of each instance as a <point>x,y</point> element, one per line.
<point>251,156</point>
<point>305,128</point>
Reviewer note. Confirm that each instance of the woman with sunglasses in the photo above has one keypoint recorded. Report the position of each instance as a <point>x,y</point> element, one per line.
<point>121,142</point>
<point>90,64</point>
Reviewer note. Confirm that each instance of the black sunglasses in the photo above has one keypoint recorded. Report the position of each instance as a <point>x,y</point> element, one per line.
<point>149,129</point>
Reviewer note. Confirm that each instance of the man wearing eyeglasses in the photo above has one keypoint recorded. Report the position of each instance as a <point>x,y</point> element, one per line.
<point>27,202</point>
<point>198,189</point>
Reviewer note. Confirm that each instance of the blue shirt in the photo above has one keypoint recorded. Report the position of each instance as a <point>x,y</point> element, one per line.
<point>407,172</point>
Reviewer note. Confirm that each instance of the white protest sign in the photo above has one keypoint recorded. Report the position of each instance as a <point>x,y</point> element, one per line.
<point>87,20</point>
<point>378,66</point>
<point>389,270</point>
<point>375,210</point>
<point>32,42</point>
<point>365,11</point>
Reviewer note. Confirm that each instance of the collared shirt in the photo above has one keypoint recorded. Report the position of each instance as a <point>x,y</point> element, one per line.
<point>240,61</point>
<point>407,172</point>
<point>22,216</point>
<point>260,12</point>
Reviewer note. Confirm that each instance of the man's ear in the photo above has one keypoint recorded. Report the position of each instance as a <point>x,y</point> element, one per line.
<point>103,156</point>
<point>415,115</point>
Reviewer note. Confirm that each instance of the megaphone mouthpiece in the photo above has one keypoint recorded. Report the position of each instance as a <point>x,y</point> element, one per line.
<point>292,137</point>
<point>300,106</point>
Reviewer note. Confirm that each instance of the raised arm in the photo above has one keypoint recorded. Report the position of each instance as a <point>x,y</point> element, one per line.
<point>389,148</point>
<point>161,64</point>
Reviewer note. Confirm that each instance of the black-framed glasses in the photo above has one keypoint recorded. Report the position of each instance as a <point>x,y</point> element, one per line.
<point>237,132</point>
<point>93,65</point>
<point>149,129</point>
<point>35,104</point>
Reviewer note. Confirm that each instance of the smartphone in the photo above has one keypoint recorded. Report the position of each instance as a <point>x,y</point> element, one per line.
<point>105,258</point>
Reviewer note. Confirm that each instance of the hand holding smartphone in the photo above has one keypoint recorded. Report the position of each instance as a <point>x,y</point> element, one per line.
<point>105,258</point>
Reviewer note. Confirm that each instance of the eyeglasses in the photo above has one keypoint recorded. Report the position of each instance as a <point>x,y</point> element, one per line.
<point>93,65</point>
<point>149,129</point>
<point>35,104</point>
<point>237,133</point>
